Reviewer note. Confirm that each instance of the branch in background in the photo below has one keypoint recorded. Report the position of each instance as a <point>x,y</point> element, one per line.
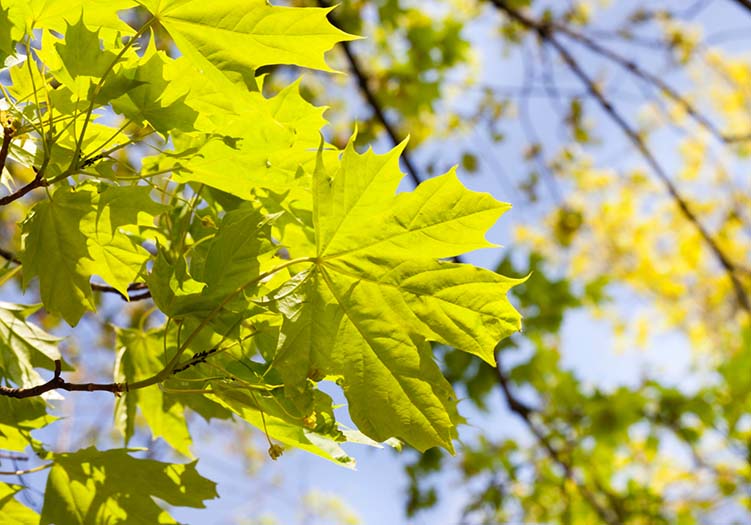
<point>653,79</point>
<point>545,33</point>
<point>364,85</point>
<point>525,412</point>
<point>13,457</point>
<point>745,4</point>
<point>5,254</point>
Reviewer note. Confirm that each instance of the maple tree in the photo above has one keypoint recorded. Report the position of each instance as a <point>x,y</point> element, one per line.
<point>271,261</point>
<point>621,130</point>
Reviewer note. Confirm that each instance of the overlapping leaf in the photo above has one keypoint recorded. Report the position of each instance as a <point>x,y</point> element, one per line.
<point>18,418</point>
<point>378,292</point>
<point>56,14</point>
<point>13,512</point>
<point>79,233</point>
<point>263,145</point>
<point>92,486</point>
<point>142,355</point>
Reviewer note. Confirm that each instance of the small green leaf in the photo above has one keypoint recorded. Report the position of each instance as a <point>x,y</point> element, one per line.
<point>24,346</point>
<point>79,233</point>
<point>142,355</point>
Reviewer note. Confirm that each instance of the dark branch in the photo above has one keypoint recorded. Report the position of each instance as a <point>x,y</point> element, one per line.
<point>655,80</point>
<point>9,256</point>
<point>8,133</point>
<point>544,31</point>
<point>363,84</point>
<point>58,383</point>
<point>745,4</point>
<point>525,412</point>
<point>37,182</point>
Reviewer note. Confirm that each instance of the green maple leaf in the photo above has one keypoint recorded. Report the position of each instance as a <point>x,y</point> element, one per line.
<point>263,145</point>
<point>262,35</point>
<point>11,511</point>
<point>56,14</point>
<point>92,486</point>
<point>24,346</point>
<point>146,101</point>
<point>377,293</point>
<point>79,233</point>
<point>81,53</point>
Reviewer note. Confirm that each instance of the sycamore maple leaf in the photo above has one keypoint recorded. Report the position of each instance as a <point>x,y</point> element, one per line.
<point>378,292</point>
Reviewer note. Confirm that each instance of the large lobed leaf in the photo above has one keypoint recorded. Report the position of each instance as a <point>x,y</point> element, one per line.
<point>378,293</point>
<point>237,36</point>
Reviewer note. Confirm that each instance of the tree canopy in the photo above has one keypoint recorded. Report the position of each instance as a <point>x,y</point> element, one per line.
<point>190,234</point>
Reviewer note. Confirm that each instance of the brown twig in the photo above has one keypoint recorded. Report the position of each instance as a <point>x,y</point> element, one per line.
<point>37,182</point>
<point>545,33</point>
<point>58,383</point>
<point>8,133</point>
<point>9,256</point>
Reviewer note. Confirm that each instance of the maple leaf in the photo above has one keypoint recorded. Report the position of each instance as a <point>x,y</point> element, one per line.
<point>377,293</point>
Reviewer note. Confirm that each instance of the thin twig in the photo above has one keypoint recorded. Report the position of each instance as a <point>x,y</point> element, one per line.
<point>544,31</point>
<point>27,471</point>
<point>13,457</point>
<point>37,182</point>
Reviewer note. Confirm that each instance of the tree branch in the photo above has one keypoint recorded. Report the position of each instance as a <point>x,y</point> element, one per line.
<point>27,471</point>
<point>8,133</point>
<point>525,413</point>
<point>545,32</point>
<point>653,79</point>
<point>37,182</point>
<point>363,84</point>
<point>745,4</point>
<point>58,383</point>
